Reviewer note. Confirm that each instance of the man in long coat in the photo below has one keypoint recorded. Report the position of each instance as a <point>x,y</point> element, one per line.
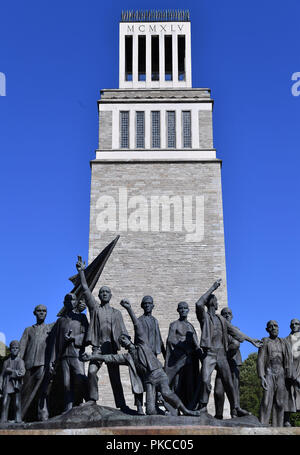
<point>70,341</point>
<point>105,327</point>
<point>293,370</point>
<point>151,331</point>
<point>214,343</point>
<point>235,361</point>
<point>35,349</point>
<point>182,357</point>
<point>271,369</point>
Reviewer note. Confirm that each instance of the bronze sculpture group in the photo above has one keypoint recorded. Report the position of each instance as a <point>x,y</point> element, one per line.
<point>52,355</point>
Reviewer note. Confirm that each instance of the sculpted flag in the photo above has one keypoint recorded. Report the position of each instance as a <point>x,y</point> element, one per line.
<point>92,272</point>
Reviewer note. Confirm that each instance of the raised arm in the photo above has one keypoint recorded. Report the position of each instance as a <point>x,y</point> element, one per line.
<point>203,299</point>
<point>80,266</point>
<point>88,296</point>
<point>138,330</point>
<point>126,304</point>
<point>200,304</point>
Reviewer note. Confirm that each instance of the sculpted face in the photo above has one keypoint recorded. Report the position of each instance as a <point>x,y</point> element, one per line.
<point>213,302</point>
<point>14,348</point>
<point>295,325</point>
<point>105,294</point>
<point>40,312</point>
<point>183,309</point>
<point>147,305</point>
<point>227,314</point>
<point>70,301</point>
<point>272,328</point>
<point>81,305</point>
<point>124,341</point>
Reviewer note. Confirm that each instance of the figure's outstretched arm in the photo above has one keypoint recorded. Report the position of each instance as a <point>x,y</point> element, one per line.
<point>117,359</point>
<point>240,336</point>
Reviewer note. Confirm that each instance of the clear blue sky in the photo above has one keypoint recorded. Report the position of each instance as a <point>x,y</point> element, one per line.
<point>57,55</point>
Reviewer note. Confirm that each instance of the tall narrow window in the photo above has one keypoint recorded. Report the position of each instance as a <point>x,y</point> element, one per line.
<point>168,58</point>
<point>124,129</point>
<point>140,129</point>
<point>142,57</point>
<point>171,129</point>
<point>186,129</point>
<point>155,129</point>
<point>181,57</point>
<point>155,58</point>
<point>128,58</point>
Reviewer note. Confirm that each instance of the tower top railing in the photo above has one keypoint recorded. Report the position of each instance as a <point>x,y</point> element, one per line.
<point>155,15</point>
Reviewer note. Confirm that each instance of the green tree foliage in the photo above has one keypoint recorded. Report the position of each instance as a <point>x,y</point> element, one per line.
<point>295,419</point>
<point>250,387</point>
<point>4,353</point>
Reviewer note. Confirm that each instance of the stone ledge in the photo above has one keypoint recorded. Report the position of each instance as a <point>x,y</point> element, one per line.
<point>181,430</point>
<point>94,419</point>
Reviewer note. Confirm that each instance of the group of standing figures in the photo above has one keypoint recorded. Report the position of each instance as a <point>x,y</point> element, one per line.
<point>49,356</point>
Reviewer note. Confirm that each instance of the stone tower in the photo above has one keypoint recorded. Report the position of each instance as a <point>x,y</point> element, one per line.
<point>156,179</point>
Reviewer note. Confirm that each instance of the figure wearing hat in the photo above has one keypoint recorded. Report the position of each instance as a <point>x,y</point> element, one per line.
<point>11,380</point>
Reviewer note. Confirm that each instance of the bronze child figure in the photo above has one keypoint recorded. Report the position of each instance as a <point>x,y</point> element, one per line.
<point>11,380</point>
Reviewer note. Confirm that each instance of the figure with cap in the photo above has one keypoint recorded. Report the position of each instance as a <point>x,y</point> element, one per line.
<point>11,380</point>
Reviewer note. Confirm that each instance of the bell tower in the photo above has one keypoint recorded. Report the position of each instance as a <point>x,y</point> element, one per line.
<point>156,178</point>
<point>155,50</point>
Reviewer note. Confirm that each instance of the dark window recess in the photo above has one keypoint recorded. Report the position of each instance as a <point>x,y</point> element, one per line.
<point>171,125</point>
<point>181,57</point>
<point>124,125</point>
<point>140,129</point>
<point>128,58</point>
<point>187,129</point>
<point>155,129</point>
<point>168,58</point>
<point>155,58</point>
<point>142,57</point>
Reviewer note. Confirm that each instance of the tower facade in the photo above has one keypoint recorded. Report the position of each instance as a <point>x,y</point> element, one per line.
<point>156,179</point>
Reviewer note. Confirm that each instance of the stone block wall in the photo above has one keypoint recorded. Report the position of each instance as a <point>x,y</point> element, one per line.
<point>205,130</point>
<point>105,130</point>
<point>163,264</point>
